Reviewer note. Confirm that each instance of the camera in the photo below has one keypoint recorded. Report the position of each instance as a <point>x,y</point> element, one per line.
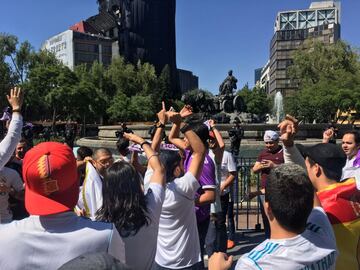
<point>124,129</point>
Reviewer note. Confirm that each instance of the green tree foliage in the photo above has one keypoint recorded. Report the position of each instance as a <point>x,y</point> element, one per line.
<point>256,100</point>
<point>14,62</point>
<point>329,80</point>
<point>92,92</point>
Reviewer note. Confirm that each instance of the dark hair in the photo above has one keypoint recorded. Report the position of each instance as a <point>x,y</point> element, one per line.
<point>331,174</point>
<point>203,132</point>
<point>356,135</point>
<point>124,202</point>
<point>84,152</point>
<point>23,140</point>
<point>102,150</point>
<point>122,144</point>
<point>170,159</point>
<point>290,194</point>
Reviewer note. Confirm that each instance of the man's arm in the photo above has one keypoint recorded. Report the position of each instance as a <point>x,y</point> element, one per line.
<point>134,160</point>
<point>153,158</point>
<point>175,129</point>
<point>174,137</point>
<point>288,129</point>
<point>257,167</point>
<point>8,144</point>
<point>206,198</point>
<point>228,181</point>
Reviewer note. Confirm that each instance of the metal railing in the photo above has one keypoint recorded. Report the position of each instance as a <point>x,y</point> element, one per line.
<point>247,212</point>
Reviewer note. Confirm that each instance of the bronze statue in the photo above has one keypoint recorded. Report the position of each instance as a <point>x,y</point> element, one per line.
<point>228,85</point>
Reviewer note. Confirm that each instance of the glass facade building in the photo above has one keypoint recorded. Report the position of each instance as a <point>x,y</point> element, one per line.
<point>320,22</point>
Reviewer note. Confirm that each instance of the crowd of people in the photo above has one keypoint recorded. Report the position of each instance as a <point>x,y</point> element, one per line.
<point>167,205</point>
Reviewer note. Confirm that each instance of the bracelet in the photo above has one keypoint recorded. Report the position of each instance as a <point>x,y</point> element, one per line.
<point>16,110</point>
<point>185,128</point>
<point>156,154</point>
<point>144,142</point>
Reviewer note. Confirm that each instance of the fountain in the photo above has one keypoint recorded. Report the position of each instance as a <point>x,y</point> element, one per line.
<point>278,107</point>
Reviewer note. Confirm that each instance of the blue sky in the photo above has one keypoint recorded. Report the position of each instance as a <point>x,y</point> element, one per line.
<point>212,36</point>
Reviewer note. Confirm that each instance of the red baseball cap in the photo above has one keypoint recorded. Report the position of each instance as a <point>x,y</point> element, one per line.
<point>51,180</point>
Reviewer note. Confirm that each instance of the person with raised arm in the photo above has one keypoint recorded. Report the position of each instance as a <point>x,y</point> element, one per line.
<point>340,199</point>
<point>135,214</point>
<point>178,243</point>
<point>13,136</point>
<point>206,193</point>
<point>301,235</point>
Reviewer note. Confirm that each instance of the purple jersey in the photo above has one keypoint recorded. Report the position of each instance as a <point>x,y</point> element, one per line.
<point>206,181</point>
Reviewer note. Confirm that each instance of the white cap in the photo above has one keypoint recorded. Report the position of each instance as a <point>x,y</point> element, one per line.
<point>271,136</point>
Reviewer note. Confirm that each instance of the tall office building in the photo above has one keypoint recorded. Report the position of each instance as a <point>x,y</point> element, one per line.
<point>74,47</point>
<point>257,74</point>
<point>321,21</point>
<point>144,30</point>
<point>187,80</point>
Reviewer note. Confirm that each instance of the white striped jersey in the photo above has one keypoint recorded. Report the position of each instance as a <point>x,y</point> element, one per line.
<point>314,249</point>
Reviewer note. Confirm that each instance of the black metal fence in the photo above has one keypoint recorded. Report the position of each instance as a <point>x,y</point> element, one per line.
<point>247,212</point>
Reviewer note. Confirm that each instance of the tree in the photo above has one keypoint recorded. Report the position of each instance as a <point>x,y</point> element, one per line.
<point>329,80</point>
<point>14,63</point>
<point>164,86</point>
<point>50,87</point>
<point>123,76</point>
<point>20,56</point>
<point>256,101</point>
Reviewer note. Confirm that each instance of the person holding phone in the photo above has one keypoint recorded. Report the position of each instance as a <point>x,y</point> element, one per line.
<point>269,158</point>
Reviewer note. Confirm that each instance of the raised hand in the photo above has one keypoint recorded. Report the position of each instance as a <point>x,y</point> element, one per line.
<point>174,117</point>
<point>288,129</point>
<point>162,116</point>
<point>327,135</point>
<point>186,111</point>
<point>16,98</point>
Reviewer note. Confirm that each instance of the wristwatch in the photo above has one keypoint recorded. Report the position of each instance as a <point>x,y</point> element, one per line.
<point>160,125</point>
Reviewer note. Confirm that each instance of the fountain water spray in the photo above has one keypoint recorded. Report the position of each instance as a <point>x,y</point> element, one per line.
<point>278,109</point>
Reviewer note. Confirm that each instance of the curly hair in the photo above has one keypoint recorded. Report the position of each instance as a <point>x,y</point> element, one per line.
<point>124,202</point>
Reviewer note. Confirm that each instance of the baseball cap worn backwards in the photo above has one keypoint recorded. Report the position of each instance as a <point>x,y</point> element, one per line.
<point>327,155</point>
<point>51,181</point>
<point>271,136</point>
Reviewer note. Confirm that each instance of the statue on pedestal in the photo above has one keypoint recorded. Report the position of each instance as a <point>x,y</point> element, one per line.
<point>228,85</point>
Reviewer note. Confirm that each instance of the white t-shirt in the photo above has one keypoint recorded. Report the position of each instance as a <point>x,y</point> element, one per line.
<point>90,197</point>
<point>11,178</point>
<point>227,165</point>
<point>349,170</point>
<point>13,136</point>
<point>315,248</point>
<point>140,249</point>
<point>47,242</point>
<point>178,241</point>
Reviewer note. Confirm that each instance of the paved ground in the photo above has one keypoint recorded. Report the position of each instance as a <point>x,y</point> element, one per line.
<point>244,242</point>
<point>246,238</point>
